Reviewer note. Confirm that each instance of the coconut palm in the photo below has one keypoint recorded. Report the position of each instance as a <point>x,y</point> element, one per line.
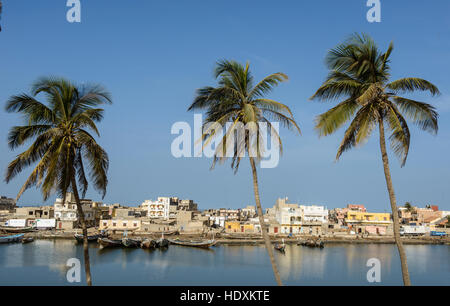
<point>60,132</point>
<point>238,102</point>
<point>1,8</point>
<point>360,75</point>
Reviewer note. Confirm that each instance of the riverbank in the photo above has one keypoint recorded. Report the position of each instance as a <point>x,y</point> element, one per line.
<point>253,240</point>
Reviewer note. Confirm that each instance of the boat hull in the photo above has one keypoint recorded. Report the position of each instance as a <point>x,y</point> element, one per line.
<point>191,243</point>
<point>109,243</point>
<point>130,243</point>
<point>11,239</point>
<point>148,244</point>
<point>92,238</point>
<point>17,230</point>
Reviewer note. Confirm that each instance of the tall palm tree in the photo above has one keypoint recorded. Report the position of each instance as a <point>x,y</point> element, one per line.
<point>1,8</point>
<point>61,142</point>
<point>360,74</point>
<point>236,100</point>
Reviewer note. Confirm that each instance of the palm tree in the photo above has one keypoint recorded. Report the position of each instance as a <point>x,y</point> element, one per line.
<point>409,207</point>
<point>1,5</point>
<point>360,73</point>
<point>236,100</point>
<point>61,142</point>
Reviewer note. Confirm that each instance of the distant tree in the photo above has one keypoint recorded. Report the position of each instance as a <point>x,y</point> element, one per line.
<point>409,207</point>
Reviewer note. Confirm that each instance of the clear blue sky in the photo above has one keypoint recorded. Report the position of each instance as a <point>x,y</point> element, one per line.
<point>153,55</point>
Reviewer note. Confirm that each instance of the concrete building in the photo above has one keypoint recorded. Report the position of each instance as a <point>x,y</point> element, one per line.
<point>162,208</point>
<point>66,214</point>
<point>290,219</point>
<point>187,205</point>
<point>314,213</point>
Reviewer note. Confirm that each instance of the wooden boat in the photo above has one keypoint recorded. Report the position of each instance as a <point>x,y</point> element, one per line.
<point>27,240</point>
<point>131,243</point>
<point>312,244</point>
<point>16,229</point>
<point>193,243</point>
<point>90,238</point>
<point>280,247</point>
<point>11,239</point>
<point>162,243</point>
<point>148,244</point>
<point>109,243</point>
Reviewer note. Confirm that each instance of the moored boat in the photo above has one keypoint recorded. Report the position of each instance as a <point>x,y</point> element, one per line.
<point>193,243</point>
<point>280,247</point>
<point>131,243</point>
<point>312,244</point>
<point>7,229</point>
<point>27,240</point>
<point>148,244</point>
<point>109,243</point>
<point>90,238</point>
<point>162,243</point>
<point>11,239</point>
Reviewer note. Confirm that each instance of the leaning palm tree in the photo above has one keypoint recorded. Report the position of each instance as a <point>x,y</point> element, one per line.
<point>236,101</point>
<point>60,131</point>
<point>360,74</point>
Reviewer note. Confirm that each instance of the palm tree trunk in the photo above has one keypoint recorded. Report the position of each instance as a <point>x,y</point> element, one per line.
<point>387,174</point>
<point>87,265</point>
<point>264,230</point>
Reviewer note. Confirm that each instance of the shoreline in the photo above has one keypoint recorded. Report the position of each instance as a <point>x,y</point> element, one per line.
<point>243,240</point>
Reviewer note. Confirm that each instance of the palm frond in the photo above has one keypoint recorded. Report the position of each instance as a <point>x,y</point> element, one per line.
<point>412,84</point>
<point>422,114</point>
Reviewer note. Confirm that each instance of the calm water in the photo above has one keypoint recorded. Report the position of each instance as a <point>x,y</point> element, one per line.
<point>43,263</point>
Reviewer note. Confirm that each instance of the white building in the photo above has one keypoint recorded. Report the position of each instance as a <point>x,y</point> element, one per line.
<point>67,211</point>
<point>161,208</point>
<point>314,213</point>
<point>290,220</point>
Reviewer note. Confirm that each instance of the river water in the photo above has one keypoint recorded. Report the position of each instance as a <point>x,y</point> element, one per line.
<point>44,262</point>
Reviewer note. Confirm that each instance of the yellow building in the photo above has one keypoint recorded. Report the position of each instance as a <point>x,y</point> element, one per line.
<point>368,218</point>
<point>238,227</point>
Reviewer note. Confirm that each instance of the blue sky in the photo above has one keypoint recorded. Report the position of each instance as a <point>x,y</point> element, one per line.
<point>153,55</point>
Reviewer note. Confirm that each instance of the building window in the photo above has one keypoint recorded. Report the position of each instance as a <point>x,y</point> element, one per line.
<point>30,213</point>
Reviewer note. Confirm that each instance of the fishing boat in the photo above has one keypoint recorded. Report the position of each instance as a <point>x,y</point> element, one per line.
<point>7,229</point>
<point>148,244</point>
<point>27,240</point>
<point>280,247</point>
<point>193,243</point>
<point>90,238</point>
<point>109,243</point>
<point>312,244</point>
<point>11,239</point>
<point>162,243</point>
<point>131,243</point>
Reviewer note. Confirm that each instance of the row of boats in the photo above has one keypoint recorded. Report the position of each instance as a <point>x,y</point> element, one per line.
<point>281,247</point>
<point>106,242</point>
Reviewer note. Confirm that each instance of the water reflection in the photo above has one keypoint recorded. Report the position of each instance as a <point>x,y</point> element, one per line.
<point>336,264</point>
